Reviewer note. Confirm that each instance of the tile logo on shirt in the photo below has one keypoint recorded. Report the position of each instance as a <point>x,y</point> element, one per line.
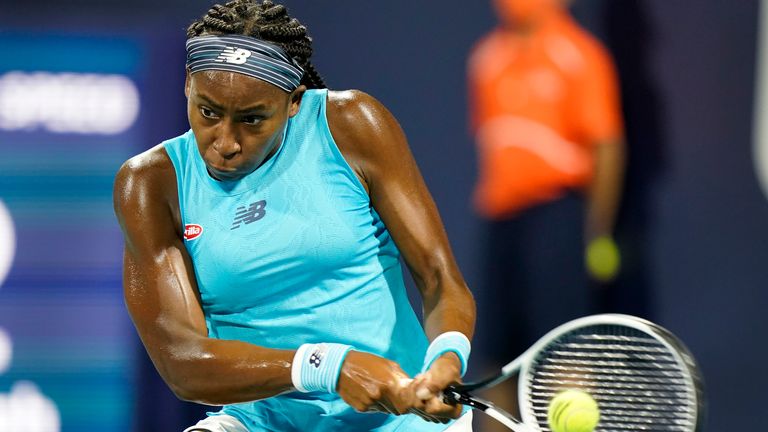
<point>250,214</point>
<point>192,231</point>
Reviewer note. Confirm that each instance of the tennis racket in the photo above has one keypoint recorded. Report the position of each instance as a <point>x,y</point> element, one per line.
<point>641,376</point>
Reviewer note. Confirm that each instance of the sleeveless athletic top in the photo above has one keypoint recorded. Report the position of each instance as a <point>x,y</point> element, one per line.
<point>294,253</point>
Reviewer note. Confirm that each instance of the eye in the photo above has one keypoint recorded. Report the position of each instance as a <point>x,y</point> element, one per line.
<point>208,113</point>
<point>251,120</point>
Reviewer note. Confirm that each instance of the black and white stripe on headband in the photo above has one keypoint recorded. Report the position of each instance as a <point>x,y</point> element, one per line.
<point>245,55</point>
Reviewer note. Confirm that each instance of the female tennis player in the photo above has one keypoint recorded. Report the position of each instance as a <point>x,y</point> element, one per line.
<point>262,246</point>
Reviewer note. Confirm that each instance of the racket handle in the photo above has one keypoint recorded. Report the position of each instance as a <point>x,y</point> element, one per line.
<point>404,382</point>
<point>453,395</point>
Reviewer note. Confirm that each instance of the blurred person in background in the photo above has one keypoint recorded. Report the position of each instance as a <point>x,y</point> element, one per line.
<point>545,114</point>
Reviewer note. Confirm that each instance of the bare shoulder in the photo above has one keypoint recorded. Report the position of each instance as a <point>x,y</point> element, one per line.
<point>152,168</point>
<point>147,179</point>
<point>359,123</point>
<point>367,134</point>
<point>354,109</point>
<point>346,98</point>
<point>151,160</point>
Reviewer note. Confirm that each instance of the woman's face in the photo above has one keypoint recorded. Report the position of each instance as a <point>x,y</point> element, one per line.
<point>525,12</point>
<point>238,120</point>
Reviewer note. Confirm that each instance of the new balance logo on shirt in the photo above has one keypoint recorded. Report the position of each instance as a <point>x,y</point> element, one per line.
<point>250,214</point>
<point>233,55</point>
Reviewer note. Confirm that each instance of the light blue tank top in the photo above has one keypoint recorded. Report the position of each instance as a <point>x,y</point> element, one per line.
<point>295,253</point>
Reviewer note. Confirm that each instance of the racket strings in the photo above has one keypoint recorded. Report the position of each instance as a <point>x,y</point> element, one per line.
<point>562,374</point>
<point>637,381</point>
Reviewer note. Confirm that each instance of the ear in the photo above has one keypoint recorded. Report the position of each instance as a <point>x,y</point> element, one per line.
<point>187,84</point>
<point>296,96</point>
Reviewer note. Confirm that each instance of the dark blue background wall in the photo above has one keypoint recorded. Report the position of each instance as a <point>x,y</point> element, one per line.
<point>694,226</point>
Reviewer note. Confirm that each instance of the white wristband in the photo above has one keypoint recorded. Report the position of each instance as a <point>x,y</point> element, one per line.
<point>451,341</point>
<point>316,367</point>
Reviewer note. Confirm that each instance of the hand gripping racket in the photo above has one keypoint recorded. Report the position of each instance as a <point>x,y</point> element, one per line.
<point>641,376</point>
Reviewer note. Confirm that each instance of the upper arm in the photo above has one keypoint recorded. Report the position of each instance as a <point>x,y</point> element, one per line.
<point>159,284</point>
<point>375,145</point>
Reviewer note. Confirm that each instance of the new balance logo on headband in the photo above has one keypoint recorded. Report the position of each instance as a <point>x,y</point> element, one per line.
<point>245,55</point>
<point>233,55</point>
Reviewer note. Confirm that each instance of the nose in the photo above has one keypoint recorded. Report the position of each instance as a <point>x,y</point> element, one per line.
<point>227,143</point>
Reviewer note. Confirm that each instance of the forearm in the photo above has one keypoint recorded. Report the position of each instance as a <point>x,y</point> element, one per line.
<point>448,307</point>
<point>219,372</point>
<point>604,193</point>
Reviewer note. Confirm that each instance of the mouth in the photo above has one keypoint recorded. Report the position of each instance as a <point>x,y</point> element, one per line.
<point>223,173</point>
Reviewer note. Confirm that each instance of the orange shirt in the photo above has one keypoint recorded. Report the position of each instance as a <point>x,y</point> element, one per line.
<point>538,104</point>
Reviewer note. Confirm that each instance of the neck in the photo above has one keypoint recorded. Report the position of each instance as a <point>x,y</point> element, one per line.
<point>531,28</point>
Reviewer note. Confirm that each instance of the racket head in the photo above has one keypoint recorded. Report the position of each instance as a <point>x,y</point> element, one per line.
<point>641,376</point>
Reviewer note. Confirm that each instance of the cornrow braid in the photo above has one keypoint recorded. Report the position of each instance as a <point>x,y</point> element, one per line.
<point>264,20</point>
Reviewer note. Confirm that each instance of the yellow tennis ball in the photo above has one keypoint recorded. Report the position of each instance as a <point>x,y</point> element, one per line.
<point>603,260</point>
<point>573,411</point>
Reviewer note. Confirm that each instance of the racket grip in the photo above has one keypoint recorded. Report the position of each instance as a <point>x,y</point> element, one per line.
<point>452,395</point>
<point>404,382</point>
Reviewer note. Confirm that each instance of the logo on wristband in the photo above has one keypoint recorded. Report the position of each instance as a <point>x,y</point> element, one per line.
<point>317,357</point>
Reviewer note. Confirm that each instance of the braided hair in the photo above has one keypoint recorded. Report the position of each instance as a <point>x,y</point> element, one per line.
<point>264,20</point>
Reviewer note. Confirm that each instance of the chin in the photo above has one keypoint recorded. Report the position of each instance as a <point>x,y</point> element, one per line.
<point>223,174</point>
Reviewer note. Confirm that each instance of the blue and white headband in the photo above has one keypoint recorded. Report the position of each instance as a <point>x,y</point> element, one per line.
<point>245,55</point>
